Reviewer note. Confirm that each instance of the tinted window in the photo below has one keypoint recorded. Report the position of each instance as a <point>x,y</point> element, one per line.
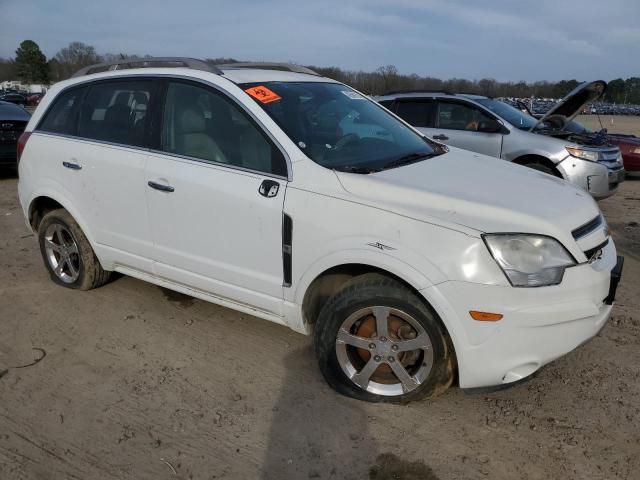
<point>339,128</point>
<point>459,116</point>
<point>509,113</point>
<point>62,115</point>
<point>418,113</point>
<point>116,112</point>
<point>201,123</point>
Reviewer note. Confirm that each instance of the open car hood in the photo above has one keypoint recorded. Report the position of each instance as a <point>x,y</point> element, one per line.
<point>574,102</point>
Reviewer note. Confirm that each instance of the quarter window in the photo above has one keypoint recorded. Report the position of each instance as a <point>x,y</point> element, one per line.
<point>458,116</point>
<point>116,112</point>
<point>203,124</point>
<point>62,116</point>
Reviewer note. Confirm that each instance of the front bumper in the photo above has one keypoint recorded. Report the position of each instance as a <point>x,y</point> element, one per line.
<point>539,324</point>
<point>600,180</point>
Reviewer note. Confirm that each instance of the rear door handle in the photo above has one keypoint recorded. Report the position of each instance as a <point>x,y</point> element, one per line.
<point>440,137</point>
<point>72,166</point>
<point>161,187</point>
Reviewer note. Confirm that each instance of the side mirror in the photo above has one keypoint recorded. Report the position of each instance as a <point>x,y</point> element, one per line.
<point>490,126</point>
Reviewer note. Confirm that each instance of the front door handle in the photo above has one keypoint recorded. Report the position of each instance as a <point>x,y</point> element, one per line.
<point>161,187</point>
<point>72,166</point>
<point>440,137</point>
<point>269,188</point>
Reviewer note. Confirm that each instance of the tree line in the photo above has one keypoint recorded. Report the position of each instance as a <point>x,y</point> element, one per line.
<point>31,66</point>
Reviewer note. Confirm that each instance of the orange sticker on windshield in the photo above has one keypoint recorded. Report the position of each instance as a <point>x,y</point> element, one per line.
<point>263,94</point>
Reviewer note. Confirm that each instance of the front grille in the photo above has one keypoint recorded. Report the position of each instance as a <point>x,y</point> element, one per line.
<point>593,251</point>
<point>587,228</point>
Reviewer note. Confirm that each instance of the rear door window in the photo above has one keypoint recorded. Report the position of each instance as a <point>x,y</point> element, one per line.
<point>419,113</point>
<point>117,112</point>
<point>62,116</point>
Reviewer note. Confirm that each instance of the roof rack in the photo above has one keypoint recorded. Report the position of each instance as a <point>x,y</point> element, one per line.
<point>157,62</point>
<point>287,67</point>
<point>395,92</point>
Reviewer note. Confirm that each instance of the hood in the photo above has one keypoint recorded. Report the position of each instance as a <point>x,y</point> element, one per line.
<point>12,112</point>
<point>575,101</point>
<point>482,193</point>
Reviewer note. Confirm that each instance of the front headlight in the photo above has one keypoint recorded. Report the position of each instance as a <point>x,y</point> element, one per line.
<point>636,151</point>
<point>583,154</point>
<point>529,260</point>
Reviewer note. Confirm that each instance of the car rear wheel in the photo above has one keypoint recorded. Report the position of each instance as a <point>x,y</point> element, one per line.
<point>377,341</point>
<point>67,254</point>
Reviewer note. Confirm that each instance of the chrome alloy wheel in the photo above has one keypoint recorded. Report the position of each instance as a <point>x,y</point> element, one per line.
<point>384,351</point>
<point>62,253</point>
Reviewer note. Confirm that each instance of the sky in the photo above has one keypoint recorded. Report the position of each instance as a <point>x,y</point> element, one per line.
<point>508,40</point>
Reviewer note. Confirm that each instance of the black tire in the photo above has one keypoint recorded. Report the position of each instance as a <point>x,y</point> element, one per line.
<point>378,290</point>
<point>91,274</point>
<point>541,168</point>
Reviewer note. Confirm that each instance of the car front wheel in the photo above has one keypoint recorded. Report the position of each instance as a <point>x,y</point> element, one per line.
<point>377,341</point>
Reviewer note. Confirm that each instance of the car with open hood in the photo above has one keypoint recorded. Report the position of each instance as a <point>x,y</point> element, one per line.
<point>629,144</point>
<point>491,127</point>
<point>274,191</point>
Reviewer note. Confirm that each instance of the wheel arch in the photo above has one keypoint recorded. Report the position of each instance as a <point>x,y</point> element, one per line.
<point>326,283</point>
<point>44,202</point>
<point>539,159</point>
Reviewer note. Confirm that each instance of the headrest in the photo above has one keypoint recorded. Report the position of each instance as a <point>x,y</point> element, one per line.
<point>192,121</point>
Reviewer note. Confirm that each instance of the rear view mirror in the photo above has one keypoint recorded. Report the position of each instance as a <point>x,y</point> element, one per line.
<point>490,126</point>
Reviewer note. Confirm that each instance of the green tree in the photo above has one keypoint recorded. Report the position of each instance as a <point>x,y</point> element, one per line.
<point>31,64</point>
<point>615,91</point>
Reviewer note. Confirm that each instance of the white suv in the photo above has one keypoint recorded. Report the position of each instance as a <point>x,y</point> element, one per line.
<point>276,192</point>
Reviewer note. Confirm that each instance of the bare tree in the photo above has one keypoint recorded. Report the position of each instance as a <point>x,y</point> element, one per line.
<point>75,56</point>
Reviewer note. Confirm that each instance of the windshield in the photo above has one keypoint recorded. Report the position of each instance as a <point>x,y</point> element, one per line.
<point>511,114</point>
<point>576,127</point>
<point>340,129</point>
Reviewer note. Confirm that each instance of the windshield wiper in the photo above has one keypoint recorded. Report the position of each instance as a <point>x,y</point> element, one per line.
<point>356,169</point>
<point>407,159</point>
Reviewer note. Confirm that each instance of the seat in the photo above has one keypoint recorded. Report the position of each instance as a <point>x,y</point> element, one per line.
<point>192,138</point>
<point>117,124</point>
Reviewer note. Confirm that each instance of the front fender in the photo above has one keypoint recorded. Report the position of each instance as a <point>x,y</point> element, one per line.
<point>410,267</point>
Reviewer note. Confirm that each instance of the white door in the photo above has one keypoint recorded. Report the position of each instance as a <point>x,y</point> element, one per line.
<point>215,193</point>
<point>103,161</point>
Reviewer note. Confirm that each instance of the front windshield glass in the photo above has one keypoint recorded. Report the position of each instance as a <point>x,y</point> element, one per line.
<point>511,114</point>
<point>576,127</point>
<point>340,129</point>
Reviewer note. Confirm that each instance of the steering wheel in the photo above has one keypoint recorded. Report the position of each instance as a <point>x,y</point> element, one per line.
<point>348,139</point>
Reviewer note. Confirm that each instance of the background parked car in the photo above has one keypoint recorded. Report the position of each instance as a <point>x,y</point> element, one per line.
<point>491,127</point>
<point>629,146</point>
<point>34,99</point>
<point>12,97</point>
<point>13,120</point>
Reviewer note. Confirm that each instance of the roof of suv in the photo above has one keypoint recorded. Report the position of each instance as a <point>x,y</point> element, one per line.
<point>427,94</point>
<point>236,72</point>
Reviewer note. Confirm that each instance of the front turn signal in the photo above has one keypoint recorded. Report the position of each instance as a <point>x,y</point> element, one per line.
<point>485,316</point>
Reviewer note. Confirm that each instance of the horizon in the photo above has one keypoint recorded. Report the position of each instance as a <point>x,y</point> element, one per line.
<point>542,42</point>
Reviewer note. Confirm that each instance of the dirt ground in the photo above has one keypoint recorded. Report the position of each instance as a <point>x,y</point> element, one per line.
<point>613,123</point>
<point>140,383</point>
